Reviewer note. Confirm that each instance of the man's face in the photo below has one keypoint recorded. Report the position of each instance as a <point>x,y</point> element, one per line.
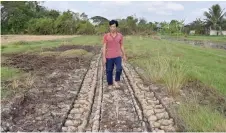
<point>113,28</point>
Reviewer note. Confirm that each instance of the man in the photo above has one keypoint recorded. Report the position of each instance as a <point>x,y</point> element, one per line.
<point>113,52</point>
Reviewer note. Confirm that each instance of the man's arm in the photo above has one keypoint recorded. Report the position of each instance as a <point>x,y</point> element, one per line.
<point>104,49</point>
<point>122,49</point>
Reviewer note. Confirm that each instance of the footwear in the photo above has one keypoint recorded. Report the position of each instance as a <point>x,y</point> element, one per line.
<point>110,87</point>
<point>117,85</point>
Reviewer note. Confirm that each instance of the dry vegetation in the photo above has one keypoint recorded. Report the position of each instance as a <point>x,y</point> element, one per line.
<point>6,39</point>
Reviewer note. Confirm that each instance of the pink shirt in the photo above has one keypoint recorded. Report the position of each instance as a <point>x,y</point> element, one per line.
<point>113,45</point>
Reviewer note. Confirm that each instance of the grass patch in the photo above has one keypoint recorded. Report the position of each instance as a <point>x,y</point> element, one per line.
<point>30,47</point>
<point>87,40</point>
<point>172,63</point>
<point>165,70</point>
<point>9,73</point>
<point>37,47</point>
<point>21,43</point>
<point>217,39</point>
<point>74,53</point>
<point>206,65</point>
<point>175,76</point>
<point>17,84</point>
<point>201,118</point>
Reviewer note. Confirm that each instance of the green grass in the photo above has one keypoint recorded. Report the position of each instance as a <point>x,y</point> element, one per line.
<point>217,39</point>
<point>201,118</point>
<point>9,73</point>
<point>206,65</point>
<point>87,40</point>
<point>31,47</point>
<point>171,64</point>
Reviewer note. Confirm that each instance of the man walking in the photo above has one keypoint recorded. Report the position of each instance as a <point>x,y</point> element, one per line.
<point>113,52</point>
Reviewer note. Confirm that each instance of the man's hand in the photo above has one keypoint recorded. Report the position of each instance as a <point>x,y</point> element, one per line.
<point>104,61</point>
<point>124,58</point>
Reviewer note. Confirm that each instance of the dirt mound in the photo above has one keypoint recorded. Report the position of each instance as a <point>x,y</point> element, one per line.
<point>93,49</point>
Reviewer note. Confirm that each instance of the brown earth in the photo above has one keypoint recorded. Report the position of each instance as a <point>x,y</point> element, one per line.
<point>43,106</point>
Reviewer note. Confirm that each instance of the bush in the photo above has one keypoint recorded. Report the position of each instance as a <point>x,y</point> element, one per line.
<point>85,27</point>
<point>40,26</point>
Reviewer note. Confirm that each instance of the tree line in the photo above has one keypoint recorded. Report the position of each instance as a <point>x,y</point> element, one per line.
<point>29,17</point>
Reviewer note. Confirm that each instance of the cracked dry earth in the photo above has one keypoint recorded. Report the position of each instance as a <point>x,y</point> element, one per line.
<point>131,108</point>
<point>94,108</point>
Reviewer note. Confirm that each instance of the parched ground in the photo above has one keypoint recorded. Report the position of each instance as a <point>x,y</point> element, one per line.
<point>6,39</point>
<point>70,94</point>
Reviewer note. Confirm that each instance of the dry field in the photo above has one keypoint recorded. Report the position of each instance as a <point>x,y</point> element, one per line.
<point>6,39</point>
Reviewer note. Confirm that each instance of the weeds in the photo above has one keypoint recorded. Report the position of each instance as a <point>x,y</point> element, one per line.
<point>175,77</point>
<point>166,70</point>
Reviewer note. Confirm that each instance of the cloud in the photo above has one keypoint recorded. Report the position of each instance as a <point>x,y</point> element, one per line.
<point>174,6</point>
<point>164,13</point>
<point>164,8</point>
<point>199,11</point>
<point>61,6</point>
<point>115,3</point>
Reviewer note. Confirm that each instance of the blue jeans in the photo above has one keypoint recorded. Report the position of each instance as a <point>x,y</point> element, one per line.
<point>110,62</point>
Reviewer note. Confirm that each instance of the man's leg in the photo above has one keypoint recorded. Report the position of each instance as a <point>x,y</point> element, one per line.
<point>109,70</point>
<point>118,63</point>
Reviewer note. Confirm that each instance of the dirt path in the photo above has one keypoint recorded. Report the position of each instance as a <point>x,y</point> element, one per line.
<point>83,103</point>
<point>130,108</point>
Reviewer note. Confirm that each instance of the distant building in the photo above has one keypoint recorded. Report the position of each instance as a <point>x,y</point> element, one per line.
<point>192,32</point>
<point>216,32</point>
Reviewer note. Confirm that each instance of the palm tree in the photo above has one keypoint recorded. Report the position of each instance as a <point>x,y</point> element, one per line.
<point>215,16</point>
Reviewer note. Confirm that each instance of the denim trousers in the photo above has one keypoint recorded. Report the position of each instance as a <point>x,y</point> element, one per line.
<point>110,62</point>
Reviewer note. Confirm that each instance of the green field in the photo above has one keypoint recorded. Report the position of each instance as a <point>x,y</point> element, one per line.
<point>216,39</point>
<point>165,62</point>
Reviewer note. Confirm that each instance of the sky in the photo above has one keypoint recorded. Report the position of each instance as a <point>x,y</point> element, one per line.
<point>150,10</point>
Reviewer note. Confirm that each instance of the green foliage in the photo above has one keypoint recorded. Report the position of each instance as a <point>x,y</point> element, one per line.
<point>215,16</point>
<point>85,27</point>
<point>65,24</point>
<point>42,26</point>
<point>29,17</point>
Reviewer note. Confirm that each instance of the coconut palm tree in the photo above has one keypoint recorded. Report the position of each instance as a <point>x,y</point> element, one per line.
<point>215,16</point>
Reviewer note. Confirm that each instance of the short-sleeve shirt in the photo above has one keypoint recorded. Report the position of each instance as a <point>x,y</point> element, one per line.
<point>113,45</point>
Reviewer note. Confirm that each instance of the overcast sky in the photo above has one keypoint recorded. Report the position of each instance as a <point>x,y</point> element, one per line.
<point>150,10</point>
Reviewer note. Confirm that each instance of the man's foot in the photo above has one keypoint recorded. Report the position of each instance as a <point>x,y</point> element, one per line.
<point>110,87</point>
<point>117,85</point>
